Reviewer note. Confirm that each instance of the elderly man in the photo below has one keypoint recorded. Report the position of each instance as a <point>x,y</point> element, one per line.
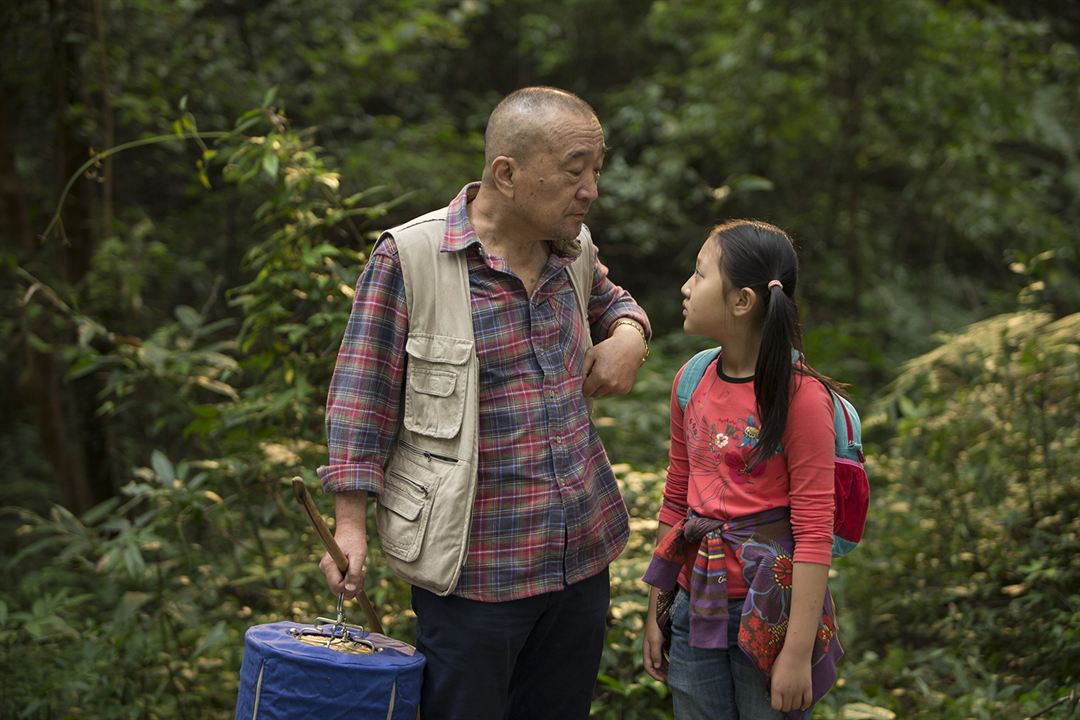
<point>460,400</point>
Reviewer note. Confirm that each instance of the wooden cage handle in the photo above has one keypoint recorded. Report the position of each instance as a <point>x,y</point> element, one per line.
<point>304,498</point>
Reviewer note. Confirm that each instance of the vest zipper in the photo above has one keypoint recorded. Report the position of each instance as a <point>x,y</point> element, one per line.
<point>428,454</point>
<point>420,488</point>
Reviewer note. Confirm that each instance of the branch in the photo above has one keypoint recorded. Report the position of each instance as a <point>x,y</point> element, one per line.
<point>1071,698</point>
<point>155,140</point>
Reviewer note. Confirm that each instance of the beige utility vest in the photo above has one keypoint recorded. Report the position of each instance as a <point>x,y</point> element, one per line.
<point>424,512</point>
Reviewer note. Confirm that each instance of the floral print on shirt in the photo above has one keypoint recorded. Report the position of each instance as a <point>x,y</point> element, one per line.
<point>722,451</point>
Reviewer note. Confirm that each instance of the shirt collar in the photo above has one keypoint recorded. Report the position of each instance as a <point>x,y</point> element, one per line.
<point>459,233</point>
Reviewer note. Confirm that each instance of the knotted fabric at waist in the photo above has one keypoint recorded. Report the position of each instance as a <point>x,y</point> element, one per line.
<point>764,546</point>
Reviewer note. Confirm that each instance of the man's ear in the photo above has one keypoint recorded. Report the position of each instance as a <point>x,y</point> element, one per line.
<point>502,171</point>
<point>745,302</point>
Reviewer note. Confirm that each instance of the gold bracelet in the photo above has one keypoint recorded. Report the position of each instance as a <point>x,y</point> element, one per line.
<point>641,331</point>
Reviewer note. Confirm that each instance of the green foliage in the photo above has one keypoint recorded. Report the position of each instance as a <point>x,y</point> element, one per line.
<point>203,547</point>
<point>138,610</point>
<point>900,142</point>
<point>969,578</point>
<point>640,428</point>
<point>190,306</point>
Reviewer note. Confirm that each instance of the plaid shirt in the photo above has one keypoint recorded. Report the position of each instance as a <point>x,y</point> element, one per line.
<point>548,511</point>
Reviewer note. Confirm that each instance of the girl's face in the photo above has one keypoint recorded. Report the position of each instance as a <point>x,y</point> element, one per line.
<point>706,308</point>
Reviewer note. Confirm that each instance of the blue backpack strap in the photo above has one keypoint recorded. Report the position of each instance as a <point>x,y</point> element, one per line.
<point>848,429</point>
<point>692,374</point>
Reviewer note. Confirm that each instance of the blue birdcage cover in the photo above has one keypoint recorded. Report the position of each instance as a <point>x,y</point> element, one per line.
<point>282,678</point>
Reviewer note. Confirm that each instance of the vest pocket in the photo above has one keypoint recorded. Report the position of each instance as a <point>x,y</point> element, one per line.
<point>410,482</point>
<point>436,378</point>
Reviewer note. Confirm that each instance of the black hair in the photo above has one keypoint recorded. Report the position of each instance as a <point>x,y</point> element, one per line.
<point>752,255</point>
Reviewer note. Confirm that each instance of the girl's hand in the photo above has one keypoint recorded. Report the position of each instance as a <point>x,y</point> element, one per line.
<point>791,685</point>
<point>656,664</point>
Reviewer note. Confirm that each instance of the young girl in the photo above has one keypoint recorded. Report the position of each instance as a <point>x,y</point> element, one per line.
<point>745,530</point>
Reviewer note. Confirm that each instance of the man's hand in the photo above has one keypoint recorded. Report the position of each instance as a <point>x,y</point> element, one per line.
<point>611,366</point>
<point>351,537</point>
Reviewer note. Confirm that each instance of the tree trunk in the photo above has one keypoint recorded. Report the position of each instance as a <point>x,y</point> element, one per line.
<point>108,129</point>
<point>17,237</point>
<point>851,125</point>
<point>64,411</point>
<point>40,384</point>
<point>70,151</point>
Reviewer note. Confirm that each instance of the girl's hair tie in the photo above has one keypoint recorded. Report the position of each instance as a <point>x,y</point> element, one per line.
<point>775,283</point>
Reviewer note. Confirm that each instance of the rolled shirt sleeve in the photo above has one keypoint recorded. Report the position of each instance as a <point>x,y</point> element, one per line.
<point>364,401</point>
<point>610,302</point>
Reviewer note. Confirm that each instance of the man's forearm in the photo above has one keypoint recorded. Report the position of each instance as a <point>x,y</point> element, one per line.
<point>350,510</point>
<point>632,328</point>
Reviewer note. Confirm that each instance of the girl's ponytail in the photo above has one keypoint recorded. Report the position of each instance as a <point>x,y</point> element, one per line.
<point>761,257</point>
<point>772,376</point>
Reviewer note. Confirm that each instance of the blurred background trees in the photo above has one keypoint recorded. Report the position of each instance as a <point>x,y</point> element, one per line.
<point>168,340</point>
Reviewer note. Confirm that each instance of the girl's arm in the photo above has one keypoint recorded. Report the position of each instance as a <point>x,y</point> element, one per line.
<point>810,441</point>
<point>653,645</point>
<point>672,510</point>
<point>677,485</point>
<point>791,686</point>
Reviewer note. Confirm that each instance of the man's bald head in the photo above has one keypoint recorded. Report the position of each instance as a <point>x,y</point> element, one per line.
<point>519,123</point>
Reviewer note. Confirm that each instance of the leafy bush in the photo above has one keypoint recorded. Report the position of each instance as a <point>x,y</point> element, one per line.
<point>964,592</point>
<point>138,608</point>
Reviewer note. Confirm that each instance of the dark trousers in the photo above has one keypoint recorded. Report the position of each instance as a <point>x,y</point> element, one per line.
<point>519,660</point>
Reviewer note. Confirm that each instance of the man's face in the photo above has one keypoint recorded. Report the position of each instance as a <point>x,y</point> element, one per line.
<point>557,184</point>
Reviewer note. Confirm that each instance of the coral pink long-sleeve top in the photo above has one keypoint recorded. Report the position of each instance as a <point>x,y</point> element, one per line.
<point>710,442</point>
